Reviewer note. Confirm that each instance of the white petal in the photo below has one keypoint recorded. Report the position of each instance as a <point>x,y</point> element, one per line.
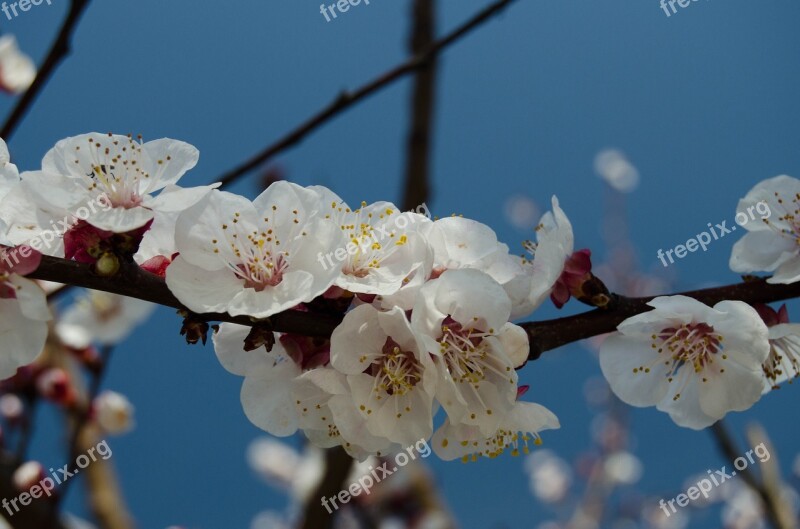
<point>200,290</point>
<point>21,339</point>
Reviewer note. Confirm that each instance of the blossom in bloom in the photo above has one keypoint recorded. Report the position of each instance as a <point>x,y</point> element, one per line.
<point>389,372</point>
<point>783,362</point>
<point>460,317</point>
<point>101,318</point>
<point>23,310</point>
<point>110,180</point>
<point>269,377</point>
<point>113,412</point>
<point>328,414</point>
<point>518,427</point>
<point>554,246</point>
<point>690,360</point>
<point>465,243</point>
<point>770,212</point>
<point>17,70</point>
<point>253,258</point>
<point>383,245</point>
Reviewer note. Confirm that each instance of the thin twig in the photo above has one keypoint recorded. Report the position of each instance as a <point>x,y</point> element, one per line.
<point>727,446</point>
<point>58,52</point>
<point>347,99</point>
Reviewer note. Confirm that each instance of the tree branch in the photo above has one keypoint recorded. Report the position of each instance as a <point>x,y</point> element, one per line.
<point>546,335</point>
<point>347,99</point>
<point>58,52</point>
<point>417,190</point>
<point>551,334</point>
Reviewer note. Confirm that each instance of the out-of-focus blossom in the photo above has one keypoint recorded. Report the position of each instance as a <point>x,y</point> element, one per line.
<point>615,168</point>
<point>550,476</point>
<point>101,318</point>
<point>282,466</point>
<point>114,412</point>
<point>623,468</point>
<point>27,475</point>
<point>17,70</point>
<point>521,212</point>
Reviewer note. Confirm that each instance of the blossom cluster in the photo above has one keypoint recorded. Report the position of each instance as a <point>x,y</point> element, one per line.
<point>696,362</point>
<point>425,305</point>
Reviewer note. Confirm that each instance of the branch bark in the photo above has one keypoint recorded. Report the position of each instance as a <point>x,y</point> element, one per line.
<point>544,336</point>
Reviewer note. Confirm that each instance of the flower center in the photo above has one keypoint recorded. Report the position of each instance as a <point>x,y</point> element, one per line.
<point>259,260</point>
<point>396,372</point>
<point>691,344</point>
<point>791,216</point>
<point>464,351</point>
<point>119,172</point>
<point>783,359</point>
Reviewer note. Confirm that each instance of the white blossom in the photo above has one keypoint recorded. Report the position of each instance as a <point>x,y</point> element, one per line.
<point>692,361</point>
<point>118,172</point>
<point>555,244</point>
<point>383,245</point>
<point>518,427</point>
<point>389,372</point>
<point>269,378</point>
<point>459,316</point>
<point>770,212</point>
<point>253,258</point>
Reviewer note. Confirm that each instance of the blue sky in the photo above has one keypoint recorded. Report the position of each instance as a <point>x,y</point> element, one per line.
<point>703,102</point>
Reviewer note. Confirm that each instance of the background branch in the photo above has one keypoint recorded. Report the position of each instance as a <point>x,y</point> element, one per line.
<point>347,99</point>
<point>58,52</point>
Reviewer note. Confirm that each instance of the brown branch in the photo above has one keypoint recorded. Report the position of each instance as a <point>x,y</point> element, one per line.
<point>58,52</point>
<point>132,281</point>
<point>417,189</point>
<point>551,334</point>
<point>347,99</point>
<point>337,467</point>
<point>544,336</point>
